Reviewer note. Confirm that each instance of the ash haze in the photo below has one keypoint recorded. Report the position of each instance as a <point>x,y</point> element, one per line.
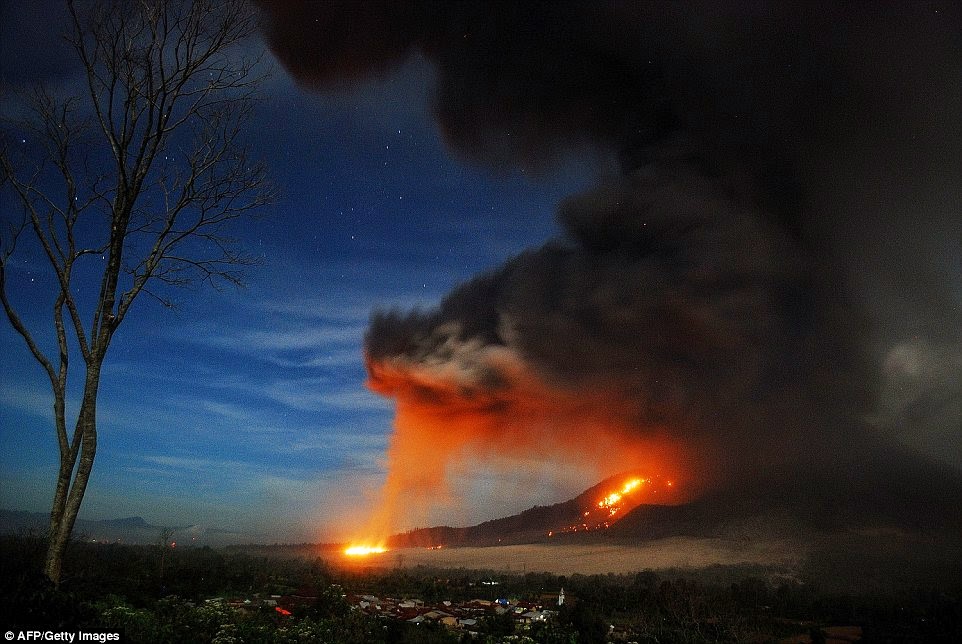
<point>720,244</point>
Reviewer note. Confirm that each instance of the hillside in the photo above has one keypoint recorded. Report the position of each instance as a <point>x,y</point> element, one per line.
<point>871,485</point>
<point>593,510</point>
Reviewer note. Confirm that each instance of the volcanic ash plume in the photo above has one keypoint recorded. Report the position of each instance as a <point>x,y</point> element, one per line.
<point>656,335</point>
<point>694,317</point>
<point>462,400</point>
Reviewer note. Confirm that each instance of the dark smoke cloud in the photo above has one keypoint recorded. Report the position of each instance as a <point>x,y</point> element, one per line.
<point>520,80</point>
<point>768,154</point>
<point>672,294</point>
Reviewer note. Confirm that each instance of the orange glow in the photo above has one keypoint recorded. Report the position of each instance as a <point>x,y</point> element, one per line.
<point>363,551</point>
<point>631,494</point>
<point>614,497</point>
<point>447,416</point>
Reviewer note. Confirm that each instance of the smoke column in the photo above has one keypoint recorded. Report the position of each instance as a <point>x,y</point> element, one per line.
<point>702,314</point>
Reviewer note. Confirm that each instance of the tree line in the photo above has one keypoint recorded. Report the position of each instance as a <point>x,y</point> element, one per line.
<point>125,587</point>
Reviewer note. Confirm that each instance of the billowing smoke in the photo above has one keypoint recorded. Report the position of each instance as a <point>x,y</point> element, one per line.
<point>698,315</point>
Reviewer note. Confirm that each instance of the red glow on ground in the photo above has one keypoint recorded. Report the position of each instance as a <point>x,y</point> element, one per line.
<point>363,550</point>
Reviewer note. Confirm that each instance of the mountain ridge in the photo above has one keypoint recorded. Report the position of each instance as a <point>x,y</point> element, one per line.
<point>876,485</point>
<point>132,530</point>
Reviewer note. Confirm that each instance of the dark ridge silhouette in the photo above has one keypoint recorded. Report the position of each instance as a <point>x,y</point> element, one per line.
<point>533,524</point>
<point>877,486</point>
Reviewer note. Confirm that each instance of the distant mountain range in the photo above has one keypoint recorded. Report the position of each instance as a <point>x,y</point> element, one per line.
<point>135,530</point>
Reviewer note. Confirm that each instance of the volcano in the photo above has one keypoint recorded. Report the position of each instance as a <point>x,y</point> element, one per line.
<point>594,510</point>
<point>877,486</point>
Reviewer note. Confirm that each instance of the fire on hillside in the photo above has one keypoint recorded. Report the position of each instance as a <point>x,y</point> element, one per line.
<point>616,503</point>
<point>596,509</point>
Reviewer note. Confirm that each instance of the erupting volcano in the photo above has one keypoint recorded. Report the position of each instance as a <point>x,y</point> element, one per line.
<point>494,410</point>
<point>593,511</point>
<point>708,310</point>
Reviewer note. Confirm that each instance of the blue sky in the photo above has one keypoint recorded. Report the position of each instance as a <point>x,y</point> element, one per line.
<point>246,409</point>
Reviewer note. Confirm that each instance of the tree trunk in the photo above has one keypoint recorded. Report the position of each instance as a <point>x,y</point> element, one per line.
<point>57,542</point>
<point>71,486</point>
<point>151,71</point>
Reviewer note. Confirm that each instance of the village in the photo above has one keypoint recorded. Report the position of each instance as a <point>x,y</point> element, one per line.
<point>463,615</point>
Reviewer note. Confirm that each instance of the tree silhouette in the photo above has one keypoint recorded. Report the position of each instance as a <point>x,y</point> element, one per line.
<point>130,189</point>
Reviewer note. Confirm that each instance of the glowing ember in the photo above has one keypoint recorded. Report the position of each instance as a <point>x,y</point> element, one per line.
<point>361,551</point>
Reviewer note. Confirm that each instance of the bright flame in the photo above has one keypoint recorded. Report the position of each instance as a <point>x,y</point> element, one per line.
<point>618,502</point>
<point>614,497</point>
<point>362,551</point>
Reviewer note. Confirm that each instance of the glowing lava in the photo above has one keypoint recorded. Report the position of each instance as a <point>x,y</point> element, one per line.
<point>619,501</point>
<point>362,551</point>
<point>611,501</point>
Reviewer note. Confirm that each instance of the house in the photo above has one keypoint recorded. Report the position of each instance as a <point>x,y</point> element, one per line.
<point>531,616</point>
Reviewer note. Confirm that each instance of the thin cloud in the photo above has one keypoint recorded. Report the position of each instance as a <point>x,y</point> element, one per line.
<point>194,463</point>
<point>225,410</point>
<point>319,307</point>
<point>345,440</point>
<point>258,340</point>
<point>317,394</point>
<point>29,400</point>
<point>338,358</point>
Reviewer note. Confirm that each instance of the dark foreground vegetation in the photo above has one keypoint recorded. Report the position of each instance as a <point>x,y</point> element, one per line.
<point>163,594</point>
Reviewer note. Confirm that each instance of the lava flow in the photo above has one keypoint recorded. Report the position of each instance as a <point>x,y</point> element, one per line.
<point>617,503</point>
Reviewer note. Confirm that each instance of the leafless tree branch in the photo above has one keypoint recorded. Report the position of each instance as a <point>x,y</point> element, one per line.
<point>105,183</point>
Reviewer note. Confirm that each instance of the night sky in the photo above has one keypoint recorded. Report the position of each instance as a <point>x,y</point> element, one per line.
<point>247,409</point>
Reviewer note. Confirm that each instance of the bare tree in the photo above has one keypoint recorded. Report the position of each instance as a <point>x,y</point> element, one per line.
<point>136,181</point>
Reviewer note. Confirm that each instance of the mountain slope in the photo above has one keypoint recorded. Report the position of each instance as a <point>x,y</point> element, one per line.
<point>591,511</point>
<point>871,484</point>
